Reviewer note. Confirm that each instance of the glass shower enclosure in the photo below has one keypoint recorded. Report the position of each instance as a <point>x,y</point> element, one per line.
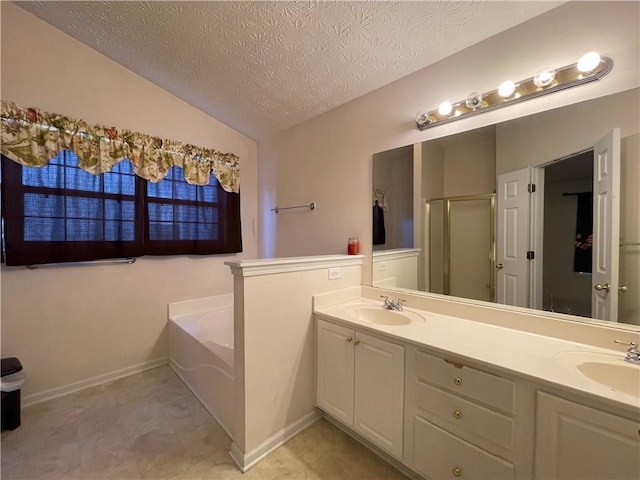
<point>461,250</point>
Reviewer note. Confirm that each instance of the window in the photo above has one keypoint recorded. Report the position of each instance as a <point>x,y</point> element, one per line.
<point>60,213</point>
<point>184,218</point>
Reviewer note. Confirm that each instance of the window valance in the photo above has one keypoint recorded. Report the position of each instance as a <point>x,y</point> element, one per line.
<point>32,137</point>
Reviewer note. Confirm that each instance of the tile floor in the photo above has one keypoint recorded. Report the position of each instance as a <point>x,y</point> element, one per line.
<point>150,426</point>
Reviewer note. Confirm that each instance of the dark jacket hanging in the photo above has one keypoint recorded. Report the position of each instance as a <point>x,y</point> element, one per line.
<point>379,235</point>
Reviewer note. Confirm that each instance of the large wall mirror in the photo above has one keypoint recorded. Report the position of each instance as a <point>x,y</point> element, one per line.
<point>540,212</point>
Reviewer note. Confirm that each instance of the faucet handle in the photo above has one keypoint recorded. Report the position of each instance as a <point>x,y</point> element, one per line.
<point>633,354</point>
<point>387,303</point>
<point>632,345</point>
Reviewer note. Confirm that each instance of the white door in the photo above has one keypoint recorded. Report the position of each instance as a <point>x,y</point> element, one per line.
<point>606,227</point>
<point>536,242</point>
<point>379,392</point>
<point>512,276</point>
<point>335,368</point>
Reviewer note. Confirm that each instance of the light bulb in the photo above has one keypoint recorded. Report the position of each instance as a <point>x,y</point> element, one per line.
<point>506,89</point>
<point>445,108</point>
<point>422,117</point>
<point>474,100</point>
<point>544,78</point>
<point>588,62</point>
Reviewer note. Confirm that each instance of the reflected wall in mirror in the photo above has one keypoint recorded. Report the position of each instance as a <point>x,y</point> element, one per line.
<point>554,258</point>
<point>395,259</point>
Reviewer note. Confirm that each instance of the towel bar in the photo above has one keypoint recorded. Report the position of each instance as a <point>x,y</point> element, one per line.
<point>127,260</point>
<point>311,206</point>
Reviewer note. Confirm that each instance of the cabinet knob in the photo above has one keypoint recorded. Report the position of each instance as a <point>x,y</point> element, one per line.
<point>457,414</point>
<point>457,381</point>
<point>356,341</point>
<point>349,339</point>
<point>456,472</point>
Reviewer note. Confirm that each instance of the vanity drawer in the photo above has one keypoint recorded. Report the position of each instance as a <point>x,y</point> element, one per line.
<point>441,455</point>
<point>484,387</point>
<point>453,410</point>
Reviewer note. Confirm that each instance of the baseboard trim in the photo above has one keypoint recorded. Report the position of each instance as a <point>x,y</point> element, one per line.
<point>245,461</point>
<point>91,382</point>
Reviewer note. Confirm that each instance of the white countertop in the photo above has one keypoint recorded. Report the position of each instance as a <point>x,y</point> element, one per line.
<point>516,352</point>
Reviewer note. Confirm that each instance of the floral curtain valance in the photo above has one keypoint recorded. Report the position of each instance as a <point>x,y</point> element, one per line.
<point>32,137</point>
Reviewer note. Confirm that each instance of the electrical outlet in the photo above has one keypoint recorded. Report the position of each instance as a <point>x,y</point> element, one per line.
<point>382,266</point>
<point>334,273</point>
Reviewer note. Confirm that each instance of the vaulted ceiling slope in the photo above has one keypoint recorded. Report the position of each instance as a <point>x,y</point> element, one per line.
<point>264,66</point>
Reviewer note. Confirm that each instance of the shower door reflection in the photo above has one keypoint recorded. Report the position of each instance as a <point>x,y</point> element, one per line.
<point>462,246</point>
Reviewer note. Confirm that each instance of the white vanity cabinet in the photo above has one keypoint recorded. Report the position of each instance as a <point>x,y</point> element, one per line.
<point>360,381</point>
<point>576,441</point>
<point>448,408</point>
<point>464,422</point>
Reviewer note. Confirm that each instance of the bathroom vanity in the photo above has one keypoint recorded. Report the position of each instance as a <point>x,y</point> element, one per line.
<point>448,397</point>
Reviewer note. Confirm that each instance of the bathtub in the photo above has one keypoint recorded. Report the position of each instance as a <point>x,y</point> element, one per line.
<point>201,352</point>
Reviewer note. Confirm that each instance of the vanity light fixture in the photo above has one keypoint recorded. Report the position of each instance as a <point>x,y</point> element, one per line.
<point>506,89</point>
<point>445,108</point>
<point>544,78</point>
<point>422,117</point>
<point>588,62</point>
<point>474,100</point>
<point>591,67</point>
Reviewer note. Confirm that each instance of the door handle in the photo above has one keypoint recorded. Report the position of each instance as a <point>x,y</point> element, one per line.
<point>499,266</point>
<point>606,287</point>
<point>623,288</point>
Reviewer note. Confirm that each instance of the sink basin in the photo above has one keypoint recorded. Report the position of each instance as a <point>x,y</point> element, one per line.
<point>606,369</point>
<point>382,316</point>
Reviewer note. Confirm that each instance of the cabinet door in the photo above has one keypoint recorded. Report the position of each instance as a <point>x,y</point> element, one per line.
<point>335,371</point>
<point>379,392</point>
<point>574,441</point>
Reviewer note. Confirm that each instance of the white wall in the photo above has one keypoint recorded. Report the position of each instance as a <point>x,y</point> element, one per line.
<point>71,324</point>
<point>275,349</point>
<point>329,158</point>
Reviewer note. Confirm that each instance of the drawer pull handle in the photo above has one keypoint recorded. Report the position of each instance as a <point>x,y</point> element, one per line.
<point>455,364</point>
<point>457,381</point>
<point>349,339</point>
<point>457,414</point>
<point>356,341</point>
<point>456,472</point>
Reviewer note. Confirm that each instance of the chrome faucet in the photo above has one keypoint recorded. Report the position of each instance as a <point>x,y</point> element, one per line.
<point>633,354</point>
<point>391,305</point>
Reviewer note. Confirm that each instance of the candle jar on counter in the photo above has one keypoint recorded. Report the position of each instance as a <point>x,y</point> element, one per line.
<point>353,246</point>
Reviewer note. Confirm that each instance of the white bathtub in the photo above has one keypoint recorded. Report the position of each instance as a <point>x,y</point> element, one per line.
<point>201,352</point>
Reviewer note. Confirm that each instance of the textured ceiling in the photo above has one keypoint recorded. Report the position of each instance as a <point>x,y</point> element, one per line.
<point>264,66</point>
